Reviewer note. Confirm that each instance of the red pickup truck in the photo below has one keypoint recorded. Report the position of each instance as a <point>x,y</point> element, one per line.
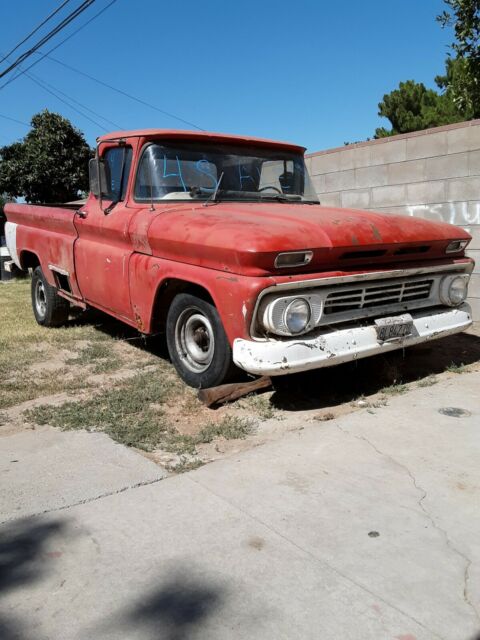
<point>220,243</point>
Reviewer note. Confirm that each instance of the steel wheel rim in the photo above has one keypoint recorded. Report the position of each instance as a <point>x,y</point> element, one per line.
<point>194,340</point>
<point>40,299</point>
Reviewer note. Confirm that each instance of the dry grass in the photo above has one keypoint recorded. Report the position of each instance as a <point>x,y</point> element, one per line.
<point>142,408</point>
<point>25,347</point>
<point>132,412</point>
<point>457,368</point>
<point>429,381</point>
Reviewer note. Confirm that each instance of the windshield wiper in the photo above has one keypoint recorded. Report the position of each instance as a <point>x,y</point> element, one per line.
<point>282,197</point>
<point>213,197</point>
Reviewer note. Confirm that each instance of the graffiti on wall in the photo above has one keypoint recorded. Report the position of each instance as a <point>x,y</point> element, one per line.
<point>459,213</point>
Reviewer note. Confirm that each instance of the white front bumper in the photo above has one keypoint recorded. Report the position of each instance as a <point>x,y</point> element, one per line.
<point>281,356</point>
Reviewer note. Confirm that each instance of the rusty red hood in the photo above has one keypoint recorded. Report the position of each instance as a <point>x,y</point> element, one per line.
<point>246,237</point>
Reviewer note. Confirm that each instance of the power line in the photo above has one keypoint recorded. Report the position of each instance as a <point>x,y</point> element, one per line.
<point>53,92</point>
<point>35,30</point>
<point>97,80</point>
<point>14,120</point>
<point>20,73</point>
<point>120,91</point>
<point>83,106</point>
<point>66,21</point>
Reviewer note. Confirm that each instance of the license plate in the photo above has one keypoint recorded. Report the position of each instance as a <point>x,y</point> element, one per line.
<point>394,328</point>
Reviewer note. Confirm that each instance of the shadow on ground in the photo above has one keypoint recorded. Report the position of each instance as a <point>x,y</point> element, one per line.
<point>347,382</point>
<point>333,385</point>
<point>156,345</point>
<point>23,560</point>
<point>175,610</point>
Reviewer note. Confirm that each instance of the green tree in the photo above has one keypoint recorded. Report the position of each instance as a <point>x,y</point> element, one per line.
<point>50,164</point>
<point>413,107</point>
<point>464,86</point>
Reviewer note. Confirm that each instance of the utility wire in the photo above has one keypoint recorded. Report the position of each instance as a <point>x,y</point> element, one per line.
<point>117,90</point>
<point>55,91</point>
<point>20,73</point>
<point>35,30</point>
<point>97,80</point>
<point>66,21</point>
<point>14,120</point>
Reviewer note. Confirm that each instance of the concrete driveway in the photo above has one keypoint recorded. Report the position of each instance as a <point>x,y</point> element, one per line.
<point>367,526</point>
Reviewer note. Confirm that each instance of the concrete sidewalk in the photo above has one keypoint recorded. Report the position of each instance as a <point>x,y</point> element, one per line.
<point>363,527</point>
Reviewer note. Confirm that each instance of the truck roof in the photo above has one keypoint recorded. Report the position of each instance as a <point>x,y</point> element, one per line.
<point>199,135</point>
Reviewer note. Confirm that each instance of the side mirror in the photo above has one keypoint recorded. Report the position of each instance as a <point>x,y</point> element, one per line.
<point>96,170</point>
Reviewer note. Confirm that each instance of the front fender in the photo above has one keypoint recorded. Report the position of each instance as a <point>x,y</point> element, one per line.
<point>233,295</point>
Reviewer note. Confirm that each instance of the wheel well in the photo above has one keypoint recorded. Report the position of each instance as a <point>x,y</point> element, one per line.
<point>165,295</point>
<point>29,260</point>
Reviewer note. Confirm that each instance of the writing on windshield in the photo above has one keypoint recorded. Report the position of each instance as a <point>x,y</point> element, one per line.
<point>187,171</point>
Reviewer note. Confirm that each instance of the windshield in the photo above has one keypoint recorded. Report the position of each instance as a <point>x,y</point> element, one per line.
<point>222,172</point>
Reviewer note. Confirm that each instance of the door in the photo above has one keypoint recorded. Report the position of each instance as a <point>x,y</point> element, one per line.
<point>103,248</point>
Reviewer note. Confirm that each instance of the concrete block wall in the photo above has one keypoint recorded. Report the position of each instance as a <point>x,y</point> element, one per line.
<point>433,174</point>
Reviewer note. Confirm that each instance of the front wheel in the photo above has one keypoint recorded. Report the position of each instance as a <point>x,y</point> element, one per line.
<point>49,309</point>
<point>197,343</point>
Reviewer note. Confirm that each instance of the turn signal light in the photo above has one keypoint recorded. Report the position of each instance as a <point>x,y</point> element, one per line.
<point>293,259</point>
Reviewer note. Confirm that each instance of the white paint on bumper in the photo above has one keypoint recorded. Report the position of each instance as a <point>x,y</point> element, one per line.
<point>279,357</point>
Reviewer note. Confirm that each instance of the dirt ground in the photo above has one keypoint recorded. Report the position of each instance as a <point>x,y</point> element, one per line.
<point>98,374</point>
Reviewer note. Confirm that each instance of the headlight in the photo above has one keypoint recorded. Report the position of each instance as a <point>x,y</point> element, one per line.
<point>297,315</point>
<point>290,314</point>
<point>453,290</point>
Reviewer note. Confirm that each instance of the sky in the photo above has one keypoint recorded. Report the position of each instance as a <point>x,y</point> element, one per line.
<point>306,71</point>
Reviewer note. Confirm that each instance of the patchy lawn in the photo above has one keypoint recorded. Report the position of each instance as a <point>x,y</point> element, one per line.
<point>99,375</point>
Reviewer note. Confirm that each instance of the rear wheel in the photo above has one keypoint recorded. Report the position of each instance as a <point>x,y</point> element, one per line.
<point>49,309</point>
<point>197,343</point>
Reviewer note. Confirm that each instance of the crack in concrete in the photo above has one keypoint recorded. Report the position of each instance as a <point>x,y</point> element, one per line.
<point>137,485</point>
<point>428,515</point>
<point>319,560</point>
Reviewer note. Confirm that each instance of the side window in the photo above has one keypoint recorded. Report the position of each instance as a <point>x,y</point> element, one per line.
<point>117,162</point>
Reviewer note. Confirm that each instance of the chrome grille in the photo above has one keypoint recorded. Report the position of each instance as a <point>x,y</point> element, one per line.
<point>377,295</point>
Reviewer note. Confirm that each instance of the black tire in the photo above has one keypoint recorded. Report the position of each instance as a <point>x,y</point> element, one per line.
<point>197,344</point>
<point>49,309</point>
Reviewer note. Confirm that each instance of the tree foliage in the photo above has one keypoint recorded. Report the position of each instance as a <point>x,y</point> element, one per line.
<point>464,17</point>
<point>50,164</point>
<point>413,107</point>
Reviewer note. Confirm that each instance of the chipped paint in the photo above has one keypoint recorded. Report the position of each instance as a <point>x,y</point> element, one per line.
<point>344,345</point>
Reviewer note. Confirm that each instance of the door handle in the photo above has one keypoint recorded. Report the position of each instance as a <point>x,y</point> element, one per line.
<point>81,214</point>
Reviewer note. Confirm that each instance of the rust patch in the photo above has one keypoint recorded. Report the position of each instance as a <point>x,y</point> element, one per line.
<point>354,239</point>
<point>138,320</point>
<point>376,232</point>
